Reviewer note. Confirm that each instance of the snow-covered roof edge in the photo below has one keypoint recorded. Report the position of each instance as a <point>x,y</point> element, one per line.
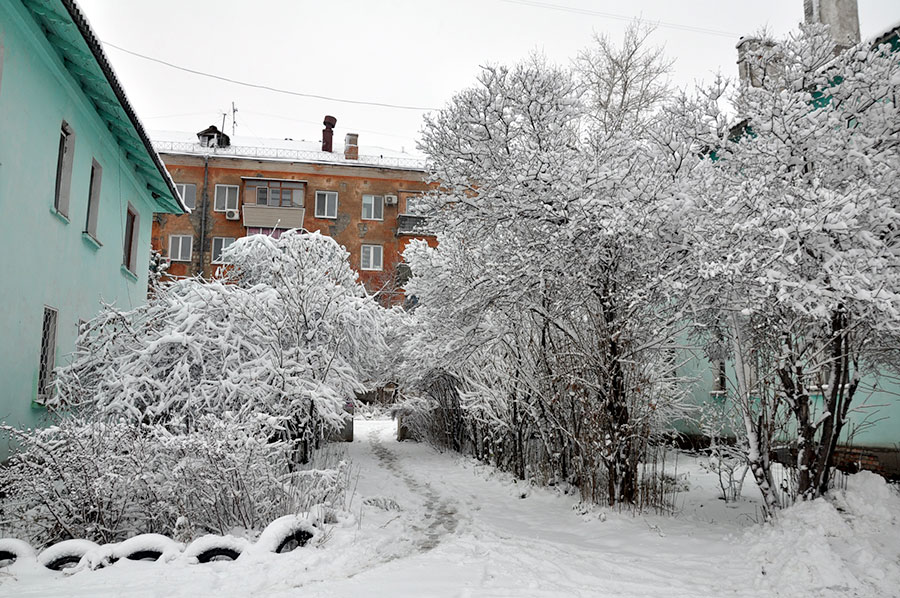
<point>93,43</point>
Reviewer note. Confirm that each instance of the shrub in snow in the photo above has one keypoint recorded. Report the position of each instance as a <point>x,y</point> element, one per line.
<point>108,481</point>
<point>285,338</point>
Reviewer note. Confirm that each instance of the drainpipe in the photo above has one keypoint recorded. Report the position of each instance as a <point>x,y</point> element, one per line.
<point>204,202</point>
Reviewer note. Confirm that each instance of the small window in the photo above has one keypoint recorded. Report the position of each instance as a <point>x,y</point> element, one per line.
<point>64,169</point>
<point>373,207</point>
<point>226,198</point>
<point>188,193</point>
<point>370,259</point>
<point>180,248</point>
<point>129,255</point>
<point>90,225</point>
<point>326,204</point>
<point>220,244</point>
<point>48,353</point>
<point>262,196</point>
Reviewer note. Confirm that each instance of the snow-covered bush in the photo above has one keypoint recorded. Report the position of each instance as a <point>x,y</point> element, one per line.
<point>286,337</point>
<point>108,481</point>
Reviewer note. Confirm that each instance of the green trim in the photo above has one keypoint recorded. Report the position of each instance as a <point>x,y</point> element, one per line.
<point>128,273</point>
<point>91,241</point>
<point>62,217</point>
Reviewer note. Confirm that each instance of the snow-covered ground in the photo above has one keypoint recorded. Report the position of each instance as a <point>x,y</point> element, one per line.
<point>424,523</point>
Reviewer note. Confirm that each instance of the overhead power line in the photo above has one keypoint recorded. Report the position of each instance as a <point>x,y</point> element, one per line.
<point>617,17</point>
<point>265,87</point>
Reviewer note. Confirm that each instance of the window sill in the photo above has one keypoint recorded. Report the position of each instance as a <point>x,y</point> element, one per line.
<point>373,219</point>
<point>62,217</point>
<point>372,269</point>
<point>326,217</point>
<point>91,241</point>
<point>128,273</point>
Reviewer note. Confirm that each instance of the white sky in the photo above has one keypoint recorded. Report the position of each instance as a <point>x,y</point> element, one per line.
<point>407,52</point>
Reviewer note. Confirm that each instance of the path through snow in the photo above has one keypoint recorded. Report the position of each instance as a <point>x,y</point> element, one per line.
<point>426,523</point>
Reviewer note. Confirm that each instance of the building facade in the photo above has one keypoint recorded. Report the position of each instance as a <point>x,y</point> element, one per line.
<point>259,186</point>
<point>79,183</point>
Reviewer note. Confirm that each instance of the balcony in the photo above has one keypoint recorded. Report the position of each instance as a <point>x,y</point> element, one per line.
<point>273,217</point>
<point>411,224</point>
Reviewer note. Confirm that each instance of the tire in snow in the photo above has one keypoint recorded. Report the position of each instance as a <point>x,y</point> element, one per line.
<point>65,554</point>
<point>12,550</point>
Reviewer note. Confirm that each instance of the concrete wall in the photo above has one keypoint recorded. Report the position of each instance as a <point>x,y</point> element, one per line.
<point>351,182</point>
<point>47,260</point>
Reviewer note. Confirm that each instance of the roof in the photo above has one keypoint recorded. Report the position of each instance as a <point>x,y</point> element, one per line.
<point>179,142</point>
<point>69,33</point>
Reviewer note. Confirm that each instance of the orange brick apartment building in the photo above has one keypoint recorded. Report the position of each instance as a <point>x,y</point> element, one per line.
<point>362,200</point>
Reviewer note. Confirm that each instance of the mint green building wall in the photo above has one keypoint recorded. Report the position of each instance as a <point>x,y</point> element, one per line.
<point>46,260</point>
<point>874,420</point>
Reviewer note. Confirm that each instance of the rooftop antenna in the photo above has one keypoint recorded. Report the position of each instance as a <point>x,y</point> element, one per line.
<point>223,121</point>
<point>233,123</point>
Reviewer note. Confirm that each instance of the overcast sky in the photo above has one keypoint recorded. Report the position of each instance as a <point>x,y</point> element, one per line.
<point>404,52</point>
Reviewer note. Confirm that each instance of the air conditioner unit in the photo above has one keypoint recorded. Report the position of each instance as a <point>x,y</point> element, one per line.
<point>232,214</point>
<point>390,200</point>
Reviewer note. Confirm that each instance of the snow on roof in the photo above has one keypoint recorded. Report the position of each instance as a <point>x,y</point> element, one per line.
<point>180,142</point>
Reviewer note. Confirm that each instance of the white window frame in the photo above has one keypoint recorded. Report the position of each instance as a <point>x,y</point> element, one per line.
<point>177,256</point>
<point>326,195</point>
<point>223,247</point>
<point>373,201</point>
<point>370,249</point>
<point>182,188</point>
<point>237,191</point>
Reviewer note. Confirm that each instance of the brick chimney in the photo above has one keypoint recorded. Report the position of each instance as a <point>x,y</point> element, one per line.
<point>328,132</point>
<point>351,146</point>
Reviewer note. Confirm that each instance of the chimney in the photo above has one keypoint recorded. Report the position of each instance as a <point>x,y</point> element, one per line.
<point>841,15</point>
<point>757,60</point>
<point>328,132</point>
<point>351,147</point>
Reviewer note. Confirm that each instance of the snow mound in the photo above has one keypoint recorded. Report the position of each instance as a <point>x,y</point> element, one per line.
<point>211,542</point>
<point>150,543</point>
<point>845,544</point>
<point>20,548</point>
<point>271,539</point>
<point>66,550</point>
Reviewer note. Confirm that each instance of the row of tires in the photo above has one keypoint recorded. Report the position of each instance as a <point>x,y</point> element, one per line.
<point>282,535</point>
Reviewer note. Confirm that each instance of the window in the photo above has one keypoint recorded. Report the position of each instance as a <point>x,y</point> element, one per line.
<point>370,259</point>
<point>226,198</point>
<point>180,248</point>
<point>48,352</point>
<point>220,244</point>
<point>326,204</point>
<point>64,169</point>
<point>90,225</point>
<point>129,254</point>
<point>188,193</point>
<point>373,207</point>
<point>285,194</point>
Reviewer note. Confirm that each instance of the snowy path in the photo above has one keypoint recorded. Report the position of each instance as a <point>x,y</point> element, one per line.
<point>435,524</point>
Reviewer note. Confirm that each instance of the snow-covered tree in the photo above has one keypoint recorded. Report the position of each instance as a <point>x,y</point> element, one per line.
<point>288,336</point>
<point>541,302</point>
<point>791,252</point>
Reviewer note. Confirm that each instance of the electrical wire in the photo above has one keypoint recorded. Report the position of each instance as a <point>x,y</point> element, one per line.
<point>609,15</point>
<point>265,87</point>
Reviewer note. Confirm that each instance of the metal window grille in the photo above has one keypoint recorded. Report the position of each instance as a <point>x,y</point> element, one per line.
<point>48,352</point>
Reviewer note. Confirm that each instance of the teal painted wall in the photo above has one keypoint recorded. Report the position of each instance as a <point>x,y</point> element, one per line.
<point>46,260</point>
<point>874,420</point>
